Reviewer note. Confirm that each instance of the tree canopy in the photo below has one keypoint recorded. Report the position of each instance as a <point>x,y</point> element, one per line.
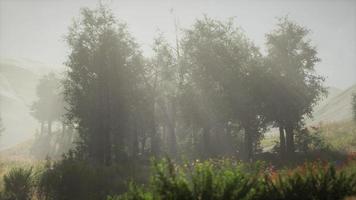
<point>206,96</point>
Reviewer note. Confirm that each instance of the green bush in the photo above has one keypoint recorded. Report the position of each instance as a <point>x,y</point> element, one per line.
<point>228,180</point>
<point>308,141</point>
<point>73,179</point>
<point>199,180</point>
<point>18,184</point>
<point>310,181</point>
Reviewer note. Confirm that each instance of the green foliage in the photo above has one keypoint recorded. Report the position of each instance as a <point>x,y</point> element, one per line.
<point>228,180</point>
<point>104,86</point>
<point>18,184</point>
<point>212,81</point>
<point>310,181</point>
<point>307,141</point>
<point>223,71</point>
<point>49,107</point>
<point>134,193</point>
<point>75,179</point>
<point>293,87</point>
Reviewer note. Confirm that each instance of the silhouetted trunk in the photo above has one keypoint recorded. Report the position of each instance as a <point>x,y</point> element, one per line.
<point>282,142</point>
<point>172,129</point>
<point>135,147</point>
<point>106,149</point>
<point>63,127</point>
<point>289,140</point>
<point>49,127</point>
<point>155,143</point>
<point>248,144</point>
<point>206,142</point>
<point>172,140</point>
<point>42,127</point>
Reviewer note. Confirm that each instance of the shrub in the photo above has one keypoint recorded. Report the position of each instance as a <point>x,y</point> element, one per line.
<point>310,181</point>
<point>73,179</point>
<point>307,141</point>
<point>227,180</point>
<point>18,184</point>
<point>199,180</point>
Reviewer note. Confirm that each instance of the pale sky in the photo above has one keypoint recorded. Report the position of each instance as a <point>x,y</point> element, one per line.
<point>34,29</point>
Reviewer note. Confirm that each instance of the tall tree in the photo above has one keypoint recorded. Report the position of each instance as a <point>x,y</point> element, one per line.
<point>220,69</point>
<point>294,86</point>
<point>104,70</point>
<point>164,82</point>
<point>48,108</point>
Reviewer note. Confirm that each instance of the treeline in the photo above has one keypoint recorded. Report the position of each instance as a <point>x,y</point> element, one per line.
<point>212,93</point>
<point>56,136</point>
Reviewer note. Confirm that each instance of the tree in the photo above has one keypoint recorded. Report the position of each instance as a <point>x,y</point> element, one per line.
<point>294,86</point>
<point>103,81</point>
<point>222,76</point>
<point>48,108</point>
<point>164,84</point>
<point>354,105</point>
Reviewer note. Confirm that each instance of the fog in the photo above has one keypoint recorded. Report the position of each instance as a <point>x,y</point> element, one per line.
<point>32,32</point>
<point>34,29</point>
<point>177,99</point>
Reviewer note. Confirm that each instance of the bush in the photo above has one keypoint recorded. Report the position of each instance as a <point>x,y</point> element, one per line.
<point>73,179</point>
<point>18,184</point>
<point>228,180</point>
<point>200,180</point>
<point>310,181</point>
<point>308,141</point>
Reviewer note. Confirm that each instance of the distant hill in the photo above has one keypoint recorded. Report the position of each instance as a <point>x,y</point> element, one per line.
<point>19,151</point>
<point>335,108</point>
<point>18,81</point>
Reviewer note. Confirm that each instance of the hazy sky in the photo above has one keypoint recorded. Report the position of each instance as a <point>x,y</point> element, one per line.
<point>33,29</point>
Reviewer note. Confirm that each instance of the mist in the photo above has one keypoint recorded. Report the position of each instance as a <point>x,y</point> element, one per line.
<point>110,85</point>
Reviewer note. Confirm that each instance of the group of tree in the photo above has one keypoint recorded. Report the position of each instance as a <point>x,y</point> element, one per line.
<point>49,109</point>
<point>212,93</point>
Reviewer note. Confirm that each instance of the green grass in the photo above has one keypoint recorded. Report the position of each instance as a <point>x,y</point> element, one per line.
<point>340,135</point>
<point>227,179</point>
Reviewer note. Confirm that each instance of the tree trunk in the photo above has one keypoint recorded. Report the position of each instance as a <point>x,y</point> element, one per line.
<point>248,144</point>
<point>172,128</point>
<point>155,143</point>
<point>107,149</point>
<point>42,128</point>
<point>206,142</point>
<point>289,140</point>
<point>49,127</point>
<point>135,147</point>
<point>172,141</point>
<point>63,127</point>
<point>282,142</point>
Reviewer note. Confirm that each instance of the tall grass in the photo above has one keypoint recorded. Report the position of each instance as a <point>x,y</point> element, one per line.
<point>226,179</point>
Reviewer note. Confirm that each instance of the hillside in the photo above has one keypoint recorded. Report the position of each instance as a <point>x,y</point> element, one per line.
<point>335,108</point>
<point>18,81</point>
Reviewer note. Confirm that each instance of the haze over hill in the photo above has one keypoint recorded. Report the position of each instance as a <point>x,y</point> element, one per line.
<point>18,81</point>
<point>337,107</point>
<point>19,77</point>
<point>48,23</point>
